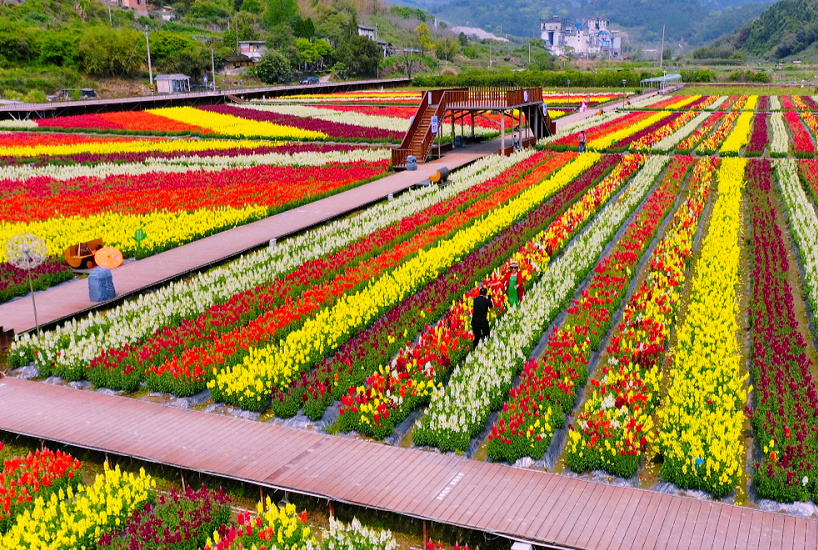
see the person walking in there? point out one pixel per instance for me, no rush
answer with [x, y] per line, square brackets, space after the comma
[479, 316]
[512, 284]
[582, 140]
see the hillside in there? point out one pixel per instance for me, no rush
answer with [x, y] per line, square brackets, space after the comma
[787, 28]
[690, 21]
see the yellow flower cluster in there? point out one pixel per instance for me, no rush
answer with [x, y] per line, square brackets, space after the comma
[739, 137]
[752, 101]
[684, 102]
[280, 526]
[235, 126]
[609, 139]
[163, 229]
[701, 422]
[250, 383]
[77, 520]
[713, 140]
[104, 147]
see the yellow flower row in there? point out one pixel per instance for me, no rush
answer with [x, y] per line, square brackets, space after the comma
[752, 101]
[77, 520]
[250, 383]
[683, 102]
[739, 137]
[609, 139]
[229, 125]
[701, 421]
[104, 147]
[163, 229]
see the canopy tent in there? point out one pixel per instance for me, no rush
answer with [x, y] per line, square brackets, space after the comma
[661, 82]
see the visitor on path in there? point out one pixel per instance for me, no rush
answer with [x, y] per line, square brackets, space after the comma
[512, 284]
[480, 316]
[582, 139]
[515, 143]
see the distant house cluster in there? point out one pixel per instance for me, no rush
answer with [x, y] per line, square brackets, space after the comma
[582, 38]
[372, 33]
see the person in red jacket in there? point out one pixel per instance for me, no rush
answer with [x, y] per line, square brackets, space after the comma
[512, 284]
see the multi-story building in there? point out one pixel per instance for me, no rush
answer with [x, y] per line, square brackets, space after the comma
[583, 38]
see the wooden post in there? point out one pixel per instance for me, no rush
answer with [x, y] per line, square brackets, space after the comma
[331, 509]
[503, 132]
[425, 533]
[261, 496]
[182, 475]
[453, 129]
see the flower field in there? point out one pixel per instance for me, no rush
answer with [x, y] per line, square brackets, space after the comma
[666, 332]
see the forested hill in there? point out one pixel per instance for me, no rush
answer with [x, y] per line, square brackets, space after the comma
[787, 28]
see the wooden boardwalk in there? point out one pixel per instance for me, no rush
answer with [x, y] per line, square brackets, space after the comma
[66, 300]
[522, 504]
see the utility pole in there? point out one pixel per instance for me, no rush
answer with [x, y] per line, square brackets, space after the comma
[213, 67]
[110, 19]
[529, 55]
[237, 37]
[662, 51]
[150, 67]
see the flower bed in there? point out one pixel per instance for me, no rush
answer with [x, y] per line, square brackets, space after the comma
[649, 138]
[687, 145]
[78, 342]
[180, 520]
[77, 519]
[712, 142]
[14, 281]
[249, 385]
[763, 103]
[334, 130]
[739, 137]
[395, 389]
[780, 142]
[570, 141]
[802, 144]
[179, 360]
[604, 140]
[786, 103]
[803, 221]
[133, 121]
[550, 385]
[36, 476]
[479, 385]
[785, 416]
[700, 434]
[181, 210]
[758, 137]
[228, 125]
[616, 423]
[669, 142]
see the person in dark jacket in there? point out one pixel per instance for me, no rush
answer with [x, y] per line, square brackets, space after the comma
[479, 316]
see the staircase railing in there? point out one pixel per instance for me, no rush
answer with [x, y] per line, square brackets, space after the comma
[400, 153]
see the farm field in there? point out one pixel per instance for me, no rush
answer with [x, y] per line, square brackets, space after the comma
[665, 339]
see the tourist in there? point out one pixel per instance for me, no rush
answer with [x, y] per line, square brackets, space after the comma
[582, 140]
[512, 284]
[480, 316]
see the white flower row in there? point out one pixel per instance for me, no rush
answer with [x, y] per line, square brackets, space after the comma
[779, 139]
[180, 165]
[458, 411]
[716, 104]
[775, 103]
[804, 224]
[646, 102]
[18, 125]
[676, 137]
[354, 536]
[78, 342]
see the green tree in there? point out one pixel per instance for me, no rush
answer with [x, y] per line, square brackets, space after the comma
[61, 48]
[423, 38]
[280, 12]
[360, 55]
[447, 48]
[304, 28]
[274, 68]
[112, 52]
[210, 10]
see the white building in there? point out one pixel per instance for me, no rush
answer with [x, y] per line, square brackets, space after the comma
[582, 38]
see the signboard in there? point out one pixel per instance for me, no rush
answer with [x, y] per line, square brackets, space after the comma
[434, 124]
[525, 96]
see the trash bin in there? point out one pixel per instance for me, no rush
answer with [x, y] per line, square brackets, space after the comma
[458, 141]
[101, 285]
[411, 162]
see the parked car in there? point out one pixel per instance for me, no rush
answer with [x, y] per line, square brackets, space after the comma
[310, 80]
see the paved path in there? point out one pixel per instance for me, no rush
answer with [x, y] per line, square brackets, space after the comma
[66, 300]
[518, 503]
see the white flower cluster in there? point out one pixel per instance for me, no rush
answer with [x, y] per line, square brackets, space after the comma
[582, 124]
[716, 104]
[79, 342]
[645, 102]
[775, 103]
[180, 165]
[476, 385]
[804, 223]
[668, 143]
[779, 139]
[355, 536]
[18, 125]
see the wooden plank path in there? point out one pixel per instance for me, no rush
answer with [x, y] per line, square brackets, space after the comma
[66, 300]
[522, 504]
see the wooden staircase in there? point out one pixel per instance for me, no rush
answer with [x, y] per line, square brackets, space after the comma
[419, 138]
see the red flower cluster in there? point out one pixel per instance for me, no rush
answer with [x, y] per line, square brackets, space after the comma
[803, 147]
[758, 136]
